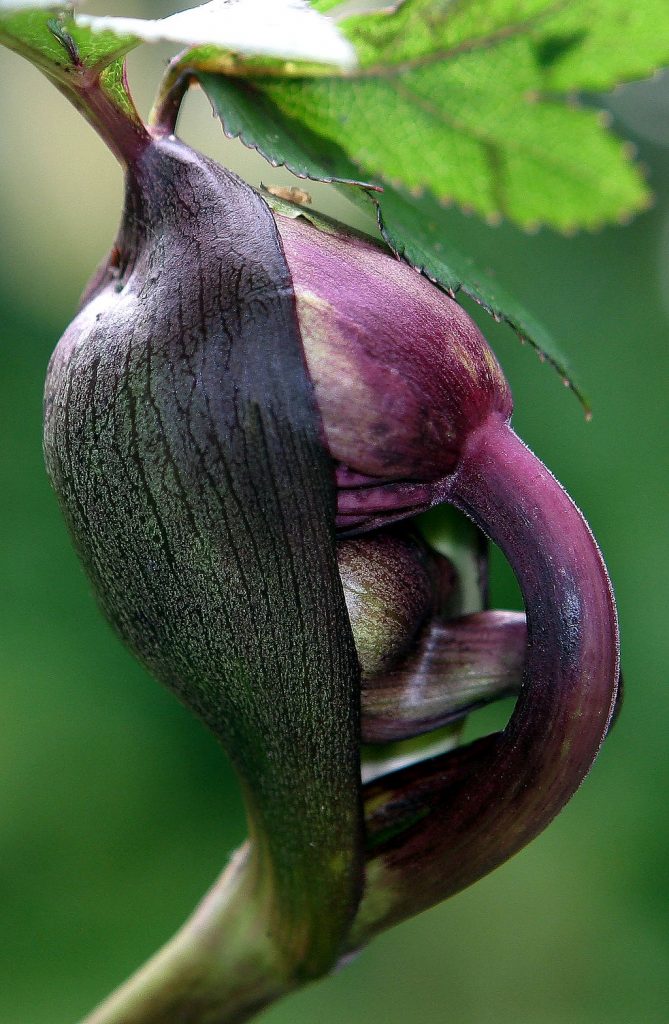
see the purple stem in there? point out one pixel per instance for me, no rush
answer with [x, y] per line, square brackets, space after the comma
[124, 134]
[489, 800]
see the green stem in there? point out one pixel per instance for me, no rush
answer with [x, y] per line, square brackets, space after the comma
[222, 967]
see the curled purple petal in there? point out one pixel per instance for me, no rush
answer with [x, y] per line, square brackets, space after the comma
[463, 814]
[402, 374]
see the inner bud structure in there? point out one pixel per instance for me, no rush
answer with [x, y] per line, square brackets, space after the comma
[240, 394]
[388, 592]
[402, 374]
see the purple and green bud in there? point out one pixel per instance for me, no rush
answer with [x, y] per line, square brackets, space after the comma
[242, 407]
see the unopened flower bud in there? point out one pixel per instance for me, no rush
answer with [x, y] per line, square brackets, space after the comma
[402, 375]
[393, 584]
[238, 385]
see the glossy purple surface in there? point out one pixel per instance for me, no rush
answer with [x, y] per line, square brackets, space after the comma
[402, 374]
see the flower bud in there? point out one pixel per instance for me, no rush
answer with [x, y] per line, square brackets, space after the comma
[392, 584]
[239, 384]
[402, 375]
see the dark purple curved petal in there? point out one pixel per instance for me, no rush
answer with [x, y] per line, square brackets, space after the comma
[439, 826]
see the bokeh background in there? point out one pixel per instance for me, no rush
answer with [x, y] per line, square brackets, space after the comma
[118, 810]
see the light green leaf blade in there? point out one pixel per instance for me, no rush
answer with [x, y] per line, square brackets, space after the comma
[51, 40]
[455, 99]
[473, 131]
[413, 227]
[583, 44]
[596, 44]
[439, 29]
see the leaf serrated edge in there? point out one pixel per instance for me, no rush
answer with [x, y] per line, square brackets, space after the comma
[370, 192]
[560, 366]
[257, 147]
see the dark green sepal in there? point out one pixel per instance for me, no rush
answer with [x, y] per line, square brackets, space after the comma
[186, 450]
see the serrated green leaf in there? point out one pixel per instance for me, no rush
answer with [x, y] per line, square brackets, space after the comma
[248, 115]
[416, 229]
[413, 227]
[473, 130]
[29, 33]
[471, 81]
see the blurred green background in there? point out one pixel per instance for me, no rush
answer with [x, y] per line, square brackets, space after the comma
[118, 809]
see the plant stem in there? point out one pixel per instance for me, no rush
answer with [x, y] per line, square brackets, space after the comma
[222, 967]
[98, 89]
[120, 128]
[165, 113]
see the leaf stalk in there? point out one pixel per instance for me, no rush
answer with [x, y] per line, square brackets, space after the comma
[221, 966]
